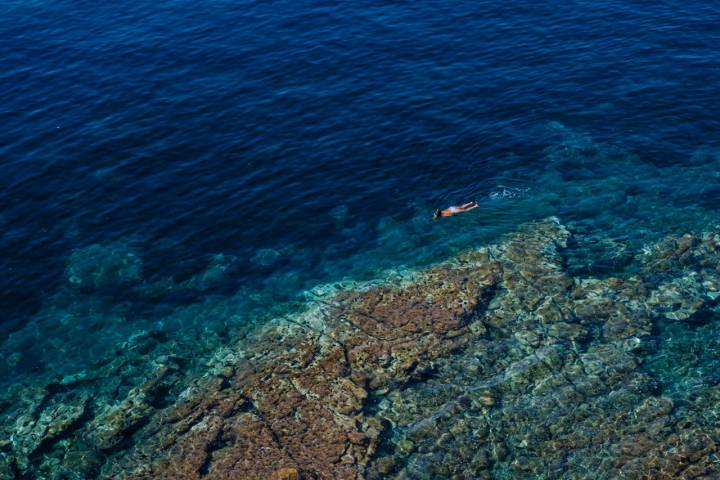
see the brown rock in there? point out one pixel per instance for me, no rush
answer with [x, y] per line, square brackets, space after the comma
[286, 474]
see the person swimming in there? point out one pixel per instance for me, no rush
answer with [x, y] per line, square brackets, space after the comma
[450, 211]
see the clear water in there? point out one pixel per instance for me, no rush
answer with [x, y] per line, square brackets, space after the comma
[190, 169]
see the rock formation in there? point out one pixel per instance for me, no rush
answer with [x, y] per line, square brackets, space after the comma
[499, 363]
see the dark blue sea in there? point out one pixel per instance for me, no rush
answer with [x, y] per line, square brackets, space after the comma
[189, 168]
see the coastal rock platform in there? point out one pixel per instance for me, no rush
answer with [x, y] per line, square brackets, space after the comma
[498, 363]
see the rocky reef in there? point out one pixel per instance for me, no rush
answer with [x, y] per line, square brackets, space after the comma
[504, 362]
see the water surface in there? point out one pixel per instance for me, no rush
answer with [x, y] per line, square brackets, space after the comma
[188, 169]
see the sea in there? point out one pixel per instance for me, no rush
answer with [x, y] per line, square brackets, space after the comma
[194, 169]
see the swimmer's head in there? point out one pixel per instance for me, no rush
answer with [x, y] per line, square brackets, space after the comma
[436, 214]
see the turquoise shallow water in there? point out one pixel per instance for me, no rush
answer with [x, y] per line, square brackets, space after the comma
[617, 202]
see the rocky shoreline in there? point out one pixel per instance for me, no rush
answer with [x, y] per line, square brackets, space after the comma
[500, 363]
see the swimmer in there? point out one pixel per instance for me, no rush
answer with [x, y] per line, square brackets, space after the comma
[450, 211]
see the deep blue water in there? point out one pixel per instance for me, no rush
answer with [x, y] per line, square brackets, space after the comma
[309, 142]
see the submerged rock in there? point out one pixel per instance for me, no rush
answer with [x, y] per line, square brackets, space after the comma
[104, 266]
[501, 363]
[43, 421]
[265, 257]
[112, 425]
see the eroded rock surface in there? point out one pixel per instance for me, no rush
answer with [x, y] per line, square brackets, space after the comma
[502, 363]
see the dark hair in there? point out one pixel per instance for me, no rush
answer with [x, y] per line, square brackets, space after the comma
[437, 213]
